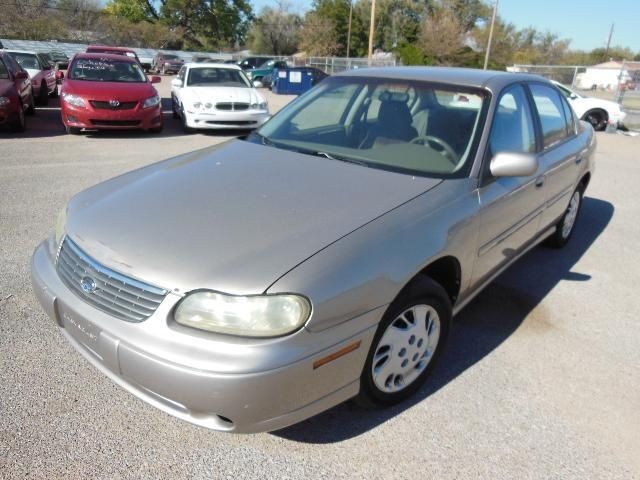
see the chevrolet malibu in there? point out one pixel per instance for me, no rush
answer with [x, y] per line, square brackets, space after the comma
[253, 284]
[107, 92]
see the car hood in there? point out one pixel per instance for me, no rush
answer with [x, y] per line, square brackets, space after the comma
[105, 91]
[233, 218]
[222, 94]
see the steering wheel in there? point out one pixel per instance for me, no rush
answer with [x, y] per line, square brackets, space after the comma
[445, 149]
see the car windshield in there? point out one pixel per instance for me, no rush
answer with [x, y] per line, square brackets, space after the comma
[170, 57]
[106, 70]
[4, 73]
[26, 60]
[267, 64]
[219, 77]
[400, 125]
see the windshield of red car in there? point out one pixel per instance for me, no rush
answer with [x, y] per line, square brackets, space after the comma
[26, 60]
[4, 73]
[220, 77]
[106, 70]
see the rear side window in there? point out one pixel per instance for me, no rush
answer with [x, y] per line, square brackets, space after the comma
[569, 116]
[4, 73]
[551, 112]
[512, 129]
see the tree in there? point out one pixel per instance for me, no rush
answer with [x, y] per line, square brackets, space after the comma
[133, 10]
[318, 36]
[442, 37]
[275, 31]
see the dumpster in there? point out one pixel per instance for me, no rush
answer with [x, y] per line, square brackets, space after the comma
[292, 81]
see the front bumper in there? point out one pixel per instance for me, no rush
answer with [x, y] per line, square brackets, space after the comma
[215, 381]
[226, 120]
[102, 119]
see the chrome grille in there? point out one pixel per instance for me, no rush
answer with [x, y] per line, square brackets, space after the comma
[232, 106]
[114, 293]
[100, 105]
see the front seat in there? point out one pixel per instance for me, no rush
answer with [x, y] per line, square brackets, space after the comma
[394, 125]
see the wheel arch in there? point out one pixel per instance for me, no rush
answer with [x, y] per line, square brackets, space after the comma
[445, 271]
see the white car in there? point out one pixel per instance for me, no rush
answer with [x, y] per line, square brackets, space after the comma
[216, 96]
[43, 77]
[598, 112]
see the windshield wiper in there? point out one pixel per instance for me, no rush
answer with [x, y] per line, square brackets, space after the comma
[332, 156]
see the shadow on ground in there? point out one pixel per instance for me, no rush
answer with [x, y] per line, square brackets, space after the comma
[480, 328]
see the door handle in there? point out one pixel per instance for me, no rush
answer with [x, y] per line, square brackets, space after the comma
[539, 181]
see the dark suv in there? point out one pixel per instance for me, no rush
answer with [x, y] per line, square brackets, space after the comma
[249, 63]
[16, 95]
[166, 63]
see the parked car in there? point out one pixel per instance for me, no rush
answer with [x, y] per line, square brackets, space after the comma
[216, 96]
[250, 285]
[43, 78]
[126, 52]
[60, 58]
[249, 63]
[16, 94]
[107, 92]
[257, 74]
[166, 63]
[598, 112]
[206, 59]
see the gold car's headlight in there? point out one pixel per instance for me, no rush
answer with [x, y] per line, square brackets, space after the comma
[249, 316]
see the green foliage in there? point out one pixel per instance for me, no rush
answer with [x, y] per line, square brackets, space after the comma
[275, 31]
[409, 54]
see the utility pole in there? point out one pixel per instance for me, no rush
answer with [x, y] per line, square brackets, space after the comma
[372, 29]
[606, 52]
[349, 34]
[493, 21]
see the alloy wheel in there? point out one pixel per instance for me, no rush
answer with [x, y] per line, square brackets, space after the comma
[571, 214]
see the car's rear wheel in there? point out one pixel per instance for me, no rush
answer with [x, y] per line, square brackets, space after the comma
[43, 95]
[408, 342]
[20, 123]
[31, 108]
[565, 227]
[597, 118]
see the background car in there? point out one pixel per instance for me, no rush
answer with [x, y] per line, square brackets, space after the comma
[598, 112]
[43, 78]
[16, 94]
[109, 92]
[266, 68]
[166, 63]
[216, 96]
[249, 63]
[61, 59]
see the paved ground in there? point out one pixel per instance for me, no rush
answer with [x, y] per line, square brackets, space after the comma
[541, 380]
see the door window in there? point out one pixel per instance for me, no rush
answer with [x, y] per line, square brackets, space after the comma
[551, 113]
[512, 129]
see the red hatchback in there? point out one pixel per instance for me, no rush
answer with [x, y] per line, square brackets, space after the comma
[16, 95]
[109, 92]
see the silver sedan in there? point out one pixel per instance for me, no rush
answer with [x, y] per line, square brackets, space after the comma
[254, 284]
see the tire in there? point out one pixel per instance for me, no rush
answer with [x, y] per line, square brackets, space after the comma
[72, 130]
[156, 130]
[54, 94]
[410, 338]
[174, 112]
[20, 123]
[31, 109]
[597, 118]
[43, 95]
[185, 127]
[566, 225]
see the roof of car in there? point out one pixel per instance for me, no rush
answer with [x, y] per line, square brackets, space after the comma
[10, 50]
[230, 66]
[106, 47]
[470, 77]
[109, 56]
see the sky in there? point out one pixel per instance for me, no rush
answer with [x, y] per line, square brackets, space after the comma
[585, 22]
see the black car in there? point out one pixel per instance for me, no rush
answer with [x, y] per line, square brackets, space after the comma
[249, 63]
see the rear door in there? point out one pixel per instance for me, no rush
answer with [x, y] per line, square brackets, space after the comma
[510, 207]
[561, 156]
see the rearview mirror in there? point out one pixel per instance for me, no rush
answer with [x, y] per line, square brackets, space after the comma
[513, 164]
[176, 82]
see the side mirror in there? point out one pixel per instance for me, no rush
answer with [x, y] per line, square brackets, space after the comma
[156, 79]
[176, 82]
[512, 164]
[573, 96]
[22, 75]
[257, 84]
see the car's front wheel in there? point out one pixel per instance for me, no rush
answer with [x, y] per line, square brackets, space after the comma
[565, 227]
[19, 124]
[409, 339]
[72, 130]
[185, 127]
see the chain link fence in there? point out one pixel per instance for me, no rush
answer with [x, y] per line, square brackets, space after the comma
[615, 81]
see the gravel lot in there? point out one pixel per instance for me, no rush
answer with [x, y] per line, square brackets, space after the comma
[541, 378]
